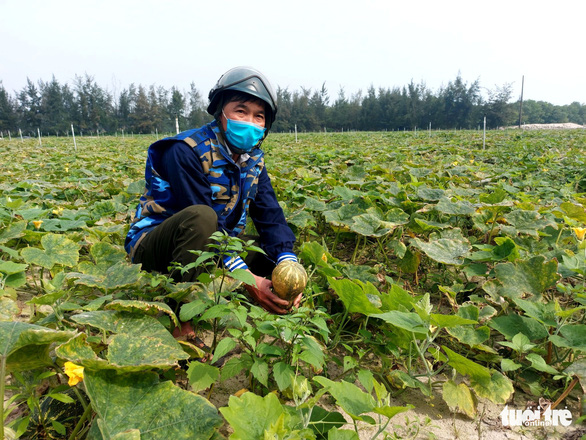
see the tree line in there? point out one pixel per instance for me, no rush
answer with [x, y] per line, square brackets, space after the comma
[52, 108]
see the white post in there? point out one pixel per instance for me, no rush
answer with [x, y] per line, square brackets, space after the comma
[484, 135]
[10, 137]
[157, 133]
[177, 124]
[430, 129]
[295, 133]
[20, 133]
[39, 133]
[73, 134]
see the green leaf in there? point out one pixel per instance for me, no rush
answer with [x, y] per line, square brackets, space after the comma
[160, 411]
[469, 335]
[571, 336]
[322, 421]
[139, 341]
[409, 263]
[497, 390]
[511, 325]
[444, 250]
[353, 296]
[260, 370]
[544, 313]
[449, 320]
[397, 299]
[104, 255]
[527, 222]
[509, 365]
[58, 427]
[57, 249]
[342, 434]
[520, 343]
[201, 375]
[466, 367]
[117, 276]
[26, 346]
[348, 396]
[446, 206]
[146, 307]
[224, 347]
[391, 411]
[539, 364]
[250, 415]
[283, 374]
[192, 309]
[243, 275]
[459, 398]
[312, 353]
[506, 248]
[497, 196]
[78, 351]
[8, 308]
[12, 231]
[406, 320]
[575, 212]
[10, 267]
[401, 380]
[234, 366]
[531, 277]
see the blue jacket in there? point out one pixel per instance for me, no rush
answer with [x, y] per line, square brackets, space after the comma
[195, 168]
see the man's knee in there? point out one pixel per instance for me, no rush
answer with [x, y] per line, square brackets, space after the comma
[201, 219]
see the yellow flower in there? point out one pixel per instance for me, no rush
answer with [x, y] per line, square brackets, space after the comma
[37, 223]
[580, 233]
[75, 373]
[324, 257]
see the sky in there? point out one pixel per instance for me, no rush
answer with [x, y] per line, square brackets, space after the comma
[349, 45]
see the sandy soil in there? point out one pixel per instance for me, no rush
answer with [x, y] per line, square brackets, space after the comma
[431, 418]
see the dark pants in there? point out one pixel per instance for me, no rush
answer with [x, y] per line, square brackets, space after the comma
[187, 230]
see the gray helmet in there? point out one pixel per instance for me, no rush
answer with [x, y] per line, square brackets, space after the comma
[246, 80]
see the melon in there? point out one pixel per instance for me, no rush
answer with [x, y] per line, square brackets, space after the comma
[289, 279]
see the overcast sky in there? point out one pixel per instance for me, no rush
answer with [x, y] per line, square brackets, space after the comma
[301, 43]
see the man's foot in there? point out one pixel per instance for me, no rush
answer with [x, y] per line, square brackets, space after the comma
[187, 333]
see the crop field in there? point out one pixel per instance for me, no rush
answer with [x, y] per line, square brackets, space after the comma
[442, 271]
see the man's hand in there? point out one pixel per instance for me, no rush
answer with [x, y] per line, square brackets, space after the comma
[264, 296]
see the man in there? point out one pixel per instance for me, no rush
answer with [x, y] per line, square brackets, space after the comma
[212, 178]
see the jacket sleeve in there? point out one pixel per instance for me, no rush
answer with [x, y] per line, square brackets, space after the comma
[276, 237]
[182, 169]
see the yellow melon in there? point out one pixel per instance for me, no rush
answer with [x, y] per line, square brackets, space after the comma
[289, 279]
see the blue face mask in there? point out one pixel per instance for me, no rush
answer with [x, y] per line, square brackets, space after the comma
[244, 136]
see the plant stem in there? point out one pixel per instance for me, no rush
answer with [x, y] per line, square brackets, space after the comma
[340, 327]
[81, 421]
[565, 393]
[2, 385]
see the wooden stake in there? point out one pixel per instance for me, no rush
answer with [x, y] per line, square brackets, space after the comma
[521, 103]
[484, 135]
[73, 134]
